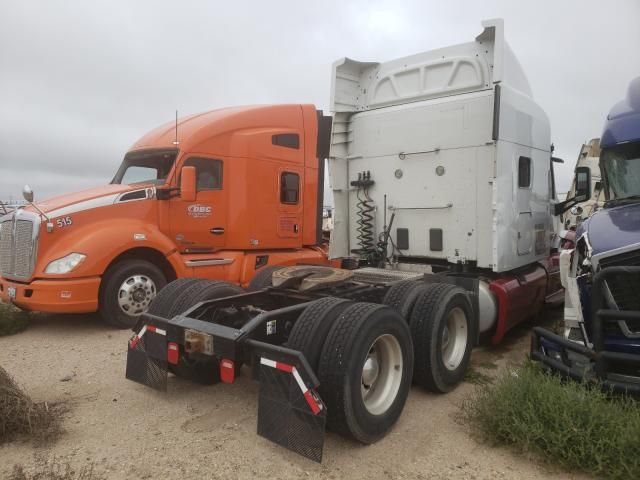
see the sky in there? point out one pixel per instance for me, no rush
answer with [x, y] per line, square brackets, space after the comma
[81, 81]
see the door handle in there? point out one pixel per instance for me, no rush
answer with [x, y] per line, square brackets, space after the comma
[217, 231]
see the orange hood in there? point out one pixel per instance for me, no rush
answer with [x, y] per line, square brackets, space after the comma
[85, 199]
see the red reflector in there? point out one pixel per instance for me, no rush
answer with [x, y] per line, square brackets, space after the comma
[227, 370]
[173, 353]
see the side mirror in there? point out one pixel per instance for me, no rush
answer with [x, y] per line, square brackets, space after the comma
[583, 184]
[188, 184]
[27, 193]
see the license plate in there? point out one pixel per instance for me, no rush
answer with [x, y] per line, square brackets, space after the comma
[11, 291]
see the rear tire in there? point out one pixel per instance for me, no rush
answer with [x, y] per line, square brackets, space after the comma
[262, 279]
[442, 328]
[193, 293]
[181, 296]
[365, 371]
[165, 297]
[402, 296]
[312, 327]
[127, 290]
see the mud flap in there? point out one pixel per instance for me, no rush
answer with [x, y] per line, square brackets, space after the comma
[147, 358]
[289, 414]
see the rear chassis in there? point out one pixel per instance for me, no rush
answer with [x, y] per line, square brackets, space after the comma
[250, 328]
[608, 355]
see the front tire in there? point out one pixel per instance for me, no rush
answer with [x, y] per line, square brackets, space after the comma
[127, 290]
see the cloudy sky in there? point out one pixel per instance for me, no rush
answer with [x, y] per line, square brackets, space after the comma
[81, 80]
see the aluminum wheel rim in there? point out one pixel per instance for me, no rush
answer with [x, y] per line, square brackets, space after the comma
[135, 294]
[454, 339]
[381, 374]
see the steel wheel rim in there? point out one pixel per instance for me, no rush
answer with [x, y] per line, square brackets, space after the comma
[135, 294]
[381, 374]
[454, 339]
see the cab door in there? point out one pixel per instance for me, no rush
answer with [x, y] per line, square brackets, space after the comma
[200, 226]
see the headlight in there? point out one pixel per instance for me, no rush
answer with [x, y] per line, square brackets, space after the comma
[65, 264]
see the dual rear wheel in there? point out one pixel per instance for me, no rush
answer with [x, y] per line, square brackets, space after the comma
[363, 356]
[366, 355]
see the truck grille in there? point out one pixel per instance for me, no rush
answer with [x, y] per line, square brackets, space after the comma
[624, 288]
[17, 249]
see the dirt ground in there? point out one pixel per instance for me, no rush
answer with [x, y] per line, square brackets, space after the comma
[192, 431]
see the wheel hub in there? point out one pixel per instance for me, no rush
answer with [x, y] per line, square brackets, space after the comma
[454, 339]
[370, 370]
[381, 374]
[135, 294]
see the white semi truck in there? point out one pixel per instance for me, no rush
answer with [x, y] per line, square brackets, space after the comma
[442, 176]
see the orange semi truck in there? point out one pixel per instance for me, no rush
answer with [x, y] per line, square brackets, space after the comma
[218, 195]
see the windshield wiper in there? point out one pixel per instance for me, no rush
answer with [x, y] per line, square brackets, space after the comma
[622, 200]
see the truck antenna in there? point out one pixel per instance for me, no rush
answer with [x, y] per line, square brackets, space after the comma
[176, 142]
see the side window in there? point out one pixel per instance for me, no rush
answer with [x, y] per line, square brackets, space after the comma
[208, 173]
[524, 172]
[289, 188]
[288, 140]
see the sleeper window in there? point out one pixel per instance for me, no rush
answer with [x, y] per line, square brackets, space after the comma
[289, 187]
[524, 172]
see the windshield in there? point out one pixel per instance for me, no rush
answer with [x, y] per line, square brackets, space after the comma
[620, 166]
[151, 166]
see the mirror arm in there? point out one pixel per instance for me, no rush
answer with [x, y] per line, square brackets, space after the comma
[562, 207]
[167, 193]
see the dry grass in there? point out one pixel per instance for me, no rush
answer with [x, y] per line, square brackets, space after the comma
[21, 416]
[54, 469]
[12, 320]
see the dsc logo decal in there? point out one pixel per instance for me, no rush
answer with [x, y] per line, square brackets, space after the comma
[199, 211]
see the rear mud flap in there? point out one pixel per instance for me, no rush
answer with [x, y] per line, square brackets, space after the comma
[288, 413]
[147, 359]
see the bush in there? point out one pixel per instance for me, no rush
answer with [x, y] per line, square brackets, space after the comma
[578, 427]
[12, 320]
[19, 415]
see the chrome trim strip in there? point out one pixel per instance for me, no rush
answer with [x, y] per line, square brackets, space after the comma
[440, 207]
[149, 192]
[209, 262]
[85, 205]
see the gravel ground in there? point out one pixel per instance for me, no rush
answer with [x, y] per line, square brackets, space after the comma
[129, 431]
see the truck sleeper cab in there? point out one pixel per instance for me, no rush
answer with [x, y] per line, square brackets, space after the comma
[601, 340]
[250, 199]
[442, 176]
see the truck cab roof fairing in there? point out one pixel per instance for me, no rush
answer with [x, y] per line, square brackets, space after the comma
[623, 121]
[478, 65]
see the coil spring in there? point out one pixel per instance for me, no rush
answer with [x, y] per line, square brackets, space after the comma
[365, 224]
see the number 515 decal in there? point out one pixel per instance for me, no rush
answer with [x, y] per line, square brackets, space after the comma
[64, 222]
